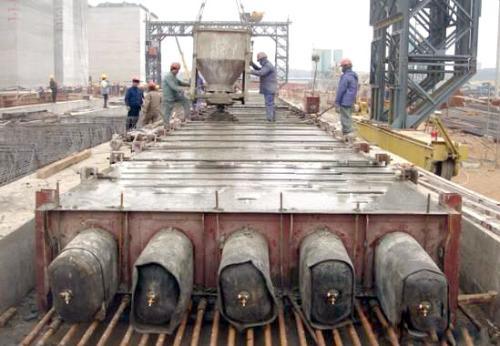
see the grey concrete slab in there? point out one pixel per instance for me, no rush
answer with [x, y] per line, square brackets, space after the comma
[17, 264]
[480, 262]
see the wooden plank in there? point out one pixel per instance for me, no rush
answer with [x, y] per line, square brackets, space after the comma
[58, 166]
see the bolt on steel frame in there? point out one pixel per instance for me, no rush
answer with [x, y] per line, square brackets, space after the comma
[156, 31]
[422, 52]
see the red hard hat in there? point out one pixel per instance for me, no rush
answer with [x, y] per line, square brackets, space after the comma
[261, 55]
[345, 62]
[175, 66]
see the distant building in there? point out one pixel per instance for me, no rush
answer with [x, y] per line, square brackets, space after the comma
[325, 61]
[117, 41]
[42, 38]
[338, 54]
[27, 46]
[71, 46]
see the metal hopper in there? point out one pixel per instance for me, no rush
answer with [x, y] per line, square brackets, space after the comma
[221, 58]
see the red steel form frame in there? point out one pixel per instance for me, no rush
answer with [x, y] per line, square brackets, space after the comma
[439, 235]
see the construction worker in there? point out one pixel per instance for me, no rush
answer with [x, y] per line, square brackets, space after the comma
[53, 88]
[200, 89]
[133, 100]
[151, 109]
[268, 83]
[105, 89]
[173, 93]
[346, 96]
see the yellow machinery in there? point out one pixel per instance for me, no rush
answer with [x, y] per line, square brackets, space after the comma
[435, 152]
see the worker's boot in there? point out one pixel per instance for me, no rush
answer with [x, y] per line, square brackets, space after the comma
[349, 137]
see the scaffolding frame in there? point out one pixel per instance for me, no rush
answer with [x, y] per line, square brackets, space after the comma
[422, 52]
[156, 31]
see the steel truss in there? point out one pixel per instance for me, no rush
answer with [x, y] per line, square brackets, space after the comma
[156, 31]
[422, 52]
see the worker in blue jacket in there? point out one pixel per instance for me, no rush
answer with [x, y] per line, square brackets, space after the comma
[346, 95]
[133, 99]
[268, 83]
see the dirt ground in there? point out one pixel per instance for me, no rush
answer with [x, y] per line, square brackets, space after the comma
[481, 171]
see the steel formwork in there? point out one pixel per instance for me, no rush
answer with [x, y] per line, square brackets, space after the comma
[422, 52]
[284, 180]
[156, 31]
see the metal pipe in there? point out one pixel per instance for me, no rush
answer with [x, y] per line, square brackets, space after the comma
[353, 335]
[433, 335]
[182, 328]
[300, 329]
[372, 339]
[202, 305]
[127, 337]
[450, 337]
[478, 298]
[282, 326]
[337, 339]
[215, 328]
[6, 316]
[144, 340]
[112, 324]
[250, 337]
[231, 336]
[393, 337]
[88, 333]
[296, 309]
[470, 316]
[53, 327]
[467, 338]
[69, 335]
[34, 332]
[321, 339]
[161, 339]
[268, 340]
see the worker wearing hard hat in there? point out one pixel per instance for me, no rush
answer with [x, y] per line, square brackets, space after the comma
[268, 83]
[173, 93]
[133, 101]
[151, 108]
[53, 88]
[346, 96]
[105, 89]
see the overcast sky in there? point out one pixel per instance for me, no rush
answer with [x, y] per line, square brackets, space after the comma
[315, 24]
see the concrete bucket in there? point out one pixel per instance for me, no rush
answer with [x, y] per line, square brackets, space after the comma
[221, 57]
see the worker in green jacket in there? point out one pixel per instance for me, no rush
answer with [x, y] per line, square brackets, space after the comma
[173, 93]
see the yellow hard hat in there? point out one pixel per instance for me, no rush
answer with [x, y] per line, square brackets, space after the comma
[103, 76]
[51, 76]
